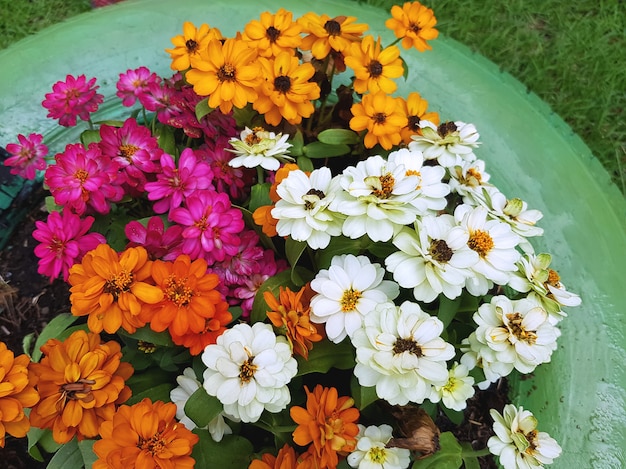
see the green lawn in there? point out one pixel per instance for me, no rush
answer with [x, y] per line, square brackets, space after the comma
[572, 54]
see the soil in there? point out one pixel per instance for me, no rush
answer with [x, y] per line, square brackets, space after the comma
[28, 301]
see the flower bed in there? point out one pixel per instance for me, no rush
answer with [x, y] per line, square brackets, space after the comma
[425, 74]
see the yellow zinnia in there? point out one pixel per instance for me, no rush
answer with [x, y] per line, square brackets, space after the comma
[416, 110]
[81, 381]
[111, 288]
[190, 43]
[273, 33]
[373, 68]
[414, 23]
[286, 91]
[382, 116]
[228, 73]
[325, 33]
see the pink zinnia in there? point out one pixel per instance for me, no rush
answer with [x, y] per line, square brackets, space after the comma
[63, 242]
[158, 97]
[72, 98]
[245, 262]
[212, 226]
[159, 242]
[134, 84]
[133, 148]
[174, 185]
[233, 181]
[82, 179]
[28, 155]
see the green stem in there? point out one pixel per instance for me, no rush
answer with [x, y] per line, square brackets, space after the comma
[260, 176]
[475, 453]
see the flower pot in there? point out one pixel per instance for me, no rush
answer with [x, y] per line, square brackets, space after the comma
[531, 153]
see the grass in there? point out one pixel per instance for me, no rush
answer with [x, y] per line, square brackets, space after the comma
[571, 54]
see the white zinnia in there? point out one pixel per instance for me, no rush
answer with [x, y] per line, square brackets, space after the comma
[248, 370]
[469, 179]
[371, 450]
[517, 442]
[459, 388]
[495, 243]
[187, 385]
[258, 147]
[399, 350]
[535, 275]
[433, 258]
[302, 211]
[514, 332]
[348, 291]
[377, 198]
[450, 143]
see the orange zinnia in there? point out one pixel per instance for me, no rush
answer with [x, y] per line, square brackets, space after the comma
[285, 459]
[228, 73]
[325, 33]
[273, 33]
[415, 109]
[286, 91]
[263, 215]
[80, 381]
[145, 436]
[374, 69]
[189, 296]
[111, 288]
[414, 23]
[382, 116]
[213, 327]
[16, 394]
[329, 422]
[291, 311]
[190, 43]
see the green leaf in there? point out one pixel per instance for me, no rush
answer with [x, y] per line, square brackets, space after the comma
[52, 331]
[323, 150]
[338, 245]
[86, 450]
[363, 395]
[447, 309]
[293, 250]
[448, 456]
[297, 143]
[89, 136]
[147, 380]
[160, 392]
[470, 462]
[455, 416]
[51, 206]
[248, 219]
[68, 455]
[233, 452]
[304, 163]
[166, 139]
[260, 196]
[203, 109]
[202, 408]
[338, 137]
[326, 355]
[148, 335]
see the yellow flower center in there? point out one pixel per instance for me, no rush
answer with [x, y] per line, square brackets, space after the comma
[382, 185]
[474, 176]
[81, 175]
[247, 370]
[119, 283]
[451, 385]
[146, 347]
[349, 300]
[440, 251]
[177, 291]
[127, 151]
[407, 345]
[377, 455]
[481, 242]
[553, 278]
[226, 72]
[516, 328]
[154, 445]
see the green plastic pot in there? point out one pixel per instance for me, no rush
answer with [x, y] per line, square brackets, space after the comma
[531, 153]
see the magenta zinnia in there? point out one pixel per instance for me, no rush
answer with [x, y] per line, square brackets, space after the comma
[135, 84]
[28, 155]
[175, 184]
[63, 241]
[72, 98]
[81, 180]
[212, 226]
[160, 243]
